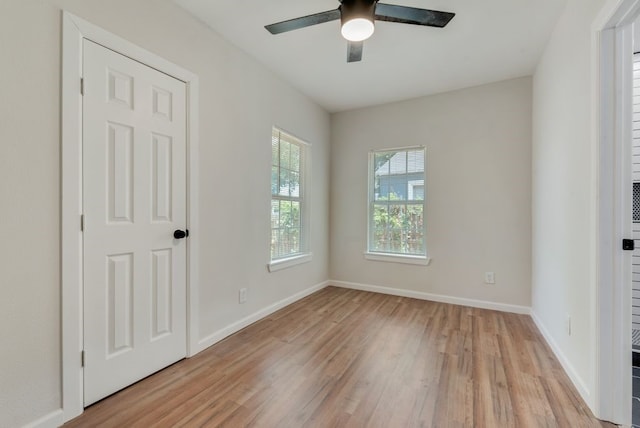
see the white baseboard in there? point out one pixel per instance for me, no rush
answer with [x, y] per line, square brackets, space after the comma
[483, 304]
[239, 325]
[564, 361]
[52, 420]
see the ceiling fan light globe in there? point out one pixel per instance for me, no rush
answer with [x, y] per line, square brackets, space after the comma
[357, 29]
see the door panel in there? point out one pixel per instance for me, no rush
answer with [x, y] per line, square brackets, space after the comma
[134, 187]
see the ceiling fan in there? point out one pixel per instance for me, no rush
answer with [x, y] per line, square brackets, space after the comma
[357, 19]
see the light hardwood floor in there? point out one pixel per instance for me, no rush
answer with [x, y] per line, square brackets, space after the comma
[351, 358]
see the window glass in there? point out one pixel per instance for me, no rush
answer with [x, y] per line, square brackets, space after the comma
[287, 196]
[397, 202]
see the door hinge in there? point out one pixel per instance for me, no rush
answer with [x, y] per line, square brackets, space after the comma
[81, 86]
[81, 222]
[82, 358]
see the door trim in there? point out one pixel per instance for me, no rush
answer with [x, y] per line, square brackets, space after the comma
[612, 86]
[74, 30]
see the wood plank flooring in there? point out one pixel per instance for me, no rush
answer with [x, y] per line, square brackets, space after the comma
[351, 358]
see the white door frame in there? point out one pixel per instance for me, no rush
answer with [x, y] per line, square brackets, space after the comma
[74, 30]
[612, 41]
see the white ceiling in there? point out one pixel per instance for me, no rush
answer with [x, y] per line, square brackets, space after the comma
[487, 41]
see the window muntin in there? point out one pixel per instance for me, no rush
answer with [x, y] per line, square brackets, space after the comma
[288, 236]
[397, 202]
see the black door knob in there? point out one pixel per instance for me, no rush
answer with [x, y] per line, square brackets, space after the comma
[179, 234]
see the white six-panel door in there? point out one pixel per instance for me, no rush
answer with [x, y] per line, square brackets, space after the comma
[134, 187]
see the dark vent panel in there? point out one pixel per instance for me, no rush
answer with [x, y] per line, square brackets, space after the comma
[636, 202]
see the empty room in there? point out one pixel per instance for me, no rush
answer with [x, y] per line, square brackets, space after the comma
[398, 213]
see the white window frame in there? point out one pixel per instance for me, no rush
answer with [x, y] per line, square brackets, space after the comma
[385, 256]
[304, 255]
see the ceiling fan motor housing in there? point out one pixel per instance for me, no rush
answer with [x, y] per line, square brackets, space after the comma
[352, 9]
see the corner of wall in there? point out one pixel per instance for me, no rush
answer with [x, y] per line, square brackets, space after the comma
[569, 369]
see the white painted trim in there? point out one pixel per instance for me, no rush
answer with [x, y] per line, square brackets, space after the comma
[257, 316]
[299, 259]
[193, 215]
[74, 31]
[397, 258]
[622, 191]
[615, 13]
[482, 304]
[603, 403]
[71, 207]
[577, 381]
[610, 288]
[52, 420]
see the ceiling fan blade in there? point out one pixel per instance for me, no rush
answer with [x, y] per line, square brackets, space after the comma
[354, 51]
[412, 15]
[305, 21]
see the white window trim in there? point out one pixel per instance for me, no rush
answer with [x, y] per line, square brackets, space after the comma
[414, 259]
[305, 254]
[298, 259]
[397, 258]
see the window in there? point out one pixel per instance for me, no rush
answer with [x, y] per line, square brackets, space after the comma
[288, 197]
[397, 204]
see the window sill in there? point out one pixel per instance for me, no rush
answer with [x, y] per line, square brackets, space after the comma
[397, 258]
[299, 259]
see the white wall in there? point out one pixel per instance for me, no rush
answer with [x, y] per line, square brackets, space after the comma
[563, 227]
[478, 189]
[239, 102]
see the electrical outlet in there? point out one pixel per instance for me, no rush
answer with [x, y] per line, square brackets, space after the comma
[489, 278]
[568, 324]
[242, 295]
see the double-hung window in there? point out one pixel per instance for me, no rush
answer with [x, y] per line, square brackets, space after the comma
[289, 223]
[397, 230]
